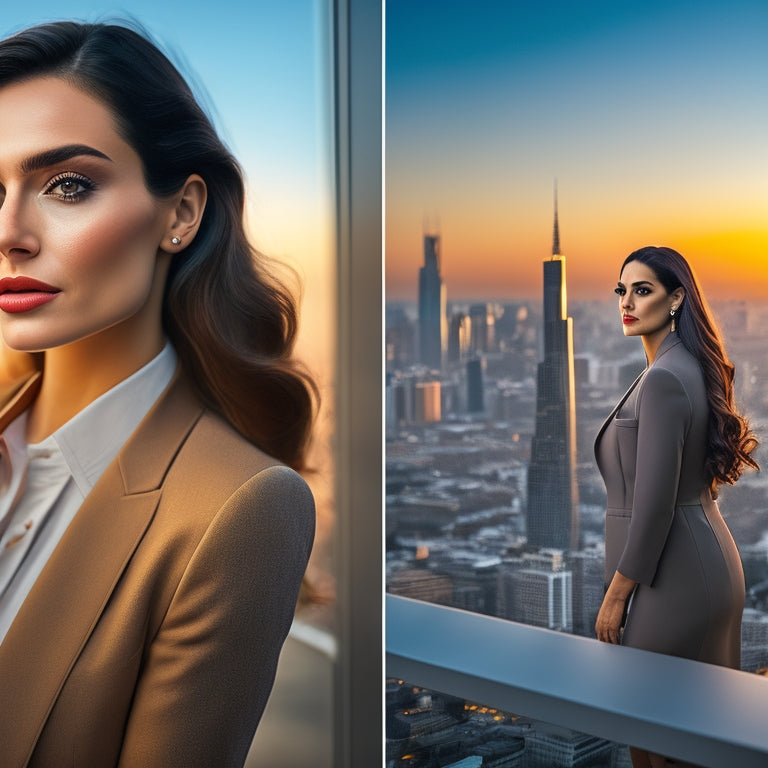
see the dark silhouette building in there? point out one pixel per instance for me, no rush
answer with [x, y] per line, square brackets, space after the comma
[481, 330]
[475, 387]
[432, 306]
[458, 337]
[552, 516]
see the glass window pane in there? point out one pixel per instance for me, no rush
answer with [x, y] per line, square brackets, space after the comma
[504, 346]
[263, 72]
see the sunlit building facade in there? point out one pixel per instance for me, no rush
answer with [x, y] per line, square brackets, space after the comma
[552, 517]
[541, 598]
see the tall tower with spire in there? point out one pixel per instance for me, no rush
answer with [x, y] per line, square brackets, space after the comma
[433, 323]
[556, 230]
[553, 502]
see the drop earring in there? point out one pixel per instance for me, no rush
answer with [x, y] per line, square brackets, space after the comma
[672, 313]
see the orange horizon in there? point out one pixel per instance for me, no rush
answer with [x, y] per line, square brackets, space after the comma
[729, 265]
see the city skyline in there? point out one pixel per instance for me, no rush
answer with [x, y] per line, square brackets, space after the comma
[494, 502]
[471, 476]
[646, 114]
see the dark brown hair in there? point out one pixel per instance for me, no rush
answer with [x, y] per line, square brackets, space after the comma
[232, 323]
[731, 441]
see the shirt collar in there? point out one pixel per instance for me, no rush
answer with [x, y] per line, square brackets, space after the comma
[90, 440]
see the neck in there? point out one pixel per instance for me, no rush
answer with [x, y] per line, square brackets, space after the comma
[76, 374]
[15, 365]
[652, 342]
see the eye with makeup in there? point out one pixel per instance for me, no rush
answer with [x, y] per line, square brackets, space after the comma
[641, 290]
[69, 187]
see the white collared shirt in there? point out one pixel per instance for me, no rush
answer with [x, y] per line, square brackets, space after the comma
[61, 471]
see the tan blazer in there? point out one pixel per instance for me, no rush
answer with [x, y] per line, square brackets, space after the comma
[151, 637]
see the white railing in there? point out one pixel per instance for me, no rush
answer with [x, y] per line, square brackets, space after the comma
[700, 713]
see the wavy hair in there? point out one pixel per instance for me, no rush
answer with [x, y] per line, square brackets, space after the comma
[232, 323]
[731, 441]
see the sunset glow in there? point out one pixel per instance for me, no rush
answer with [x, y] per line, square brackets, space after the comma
[486, 109]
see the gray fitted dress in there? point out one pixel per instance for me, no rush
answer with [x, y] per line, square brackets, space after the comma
[662, 528]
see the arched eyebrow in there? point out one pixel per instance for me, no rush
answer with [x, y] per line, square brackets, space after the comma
[637, 283]
[59, 155]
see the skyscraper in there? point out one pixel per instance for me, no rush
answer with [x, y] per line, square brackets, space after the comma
[459, 329]
[432, 305]
[475, 388]
[481, 330]
[552, 517]
[536, 589]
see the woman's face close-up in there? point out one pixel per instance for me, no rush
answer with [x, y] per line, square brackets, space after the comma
[644, 303]
[79, 231]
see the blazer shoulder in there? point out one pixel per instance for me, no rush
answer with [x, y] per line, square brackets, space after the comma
[677, 359]
[223, 448]
[216, 459]
[680, 363]
[664, 396]
[284, 501]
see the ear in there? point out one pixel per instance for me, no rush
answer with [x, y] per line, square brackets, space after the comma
[185, 215]
[677, 297]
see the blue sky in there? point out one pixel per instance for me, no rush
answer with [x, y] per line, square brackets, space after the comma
[260, 64]
[652, 116]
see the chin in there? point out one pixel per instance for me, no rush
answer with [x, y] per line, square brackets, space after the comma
[31, 340]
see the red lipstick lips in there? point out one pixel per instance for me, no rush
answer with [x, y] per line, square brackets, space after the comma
[626, 319]
[22, 294]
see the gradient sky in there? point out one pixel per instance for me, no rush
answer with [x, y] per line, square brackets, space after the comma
[261, 69]
[653, 117]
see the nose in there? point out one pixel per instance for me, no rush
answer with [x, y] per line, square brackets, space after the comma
[18, 241]
[625, 301]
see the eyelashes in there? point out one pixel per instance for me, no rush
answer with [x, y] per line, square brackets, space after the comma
[640, 291]
[69, 187]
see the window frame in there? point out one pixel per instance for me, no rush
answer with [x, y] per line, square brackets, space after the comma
[358, 682]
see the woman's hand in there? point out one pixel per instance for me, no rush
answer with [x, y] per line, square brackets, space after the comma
[609, 620]
[611, 614]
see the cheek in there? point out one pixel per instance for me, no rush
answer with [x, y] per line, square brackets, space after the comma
[111, 251]
[649, 305]
[659, 306]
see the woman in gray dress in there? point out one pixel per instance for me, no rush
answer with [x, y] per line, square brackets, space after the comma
[674, 581]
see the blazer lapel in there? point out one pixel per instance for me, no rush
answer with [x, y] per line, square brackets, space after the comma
[62, 609]
[670, 340]
[17, 398]
[617, 406]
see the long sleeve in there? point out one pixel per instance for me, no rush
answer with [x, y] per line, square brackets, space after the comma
[664, 418]
[210, 667]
